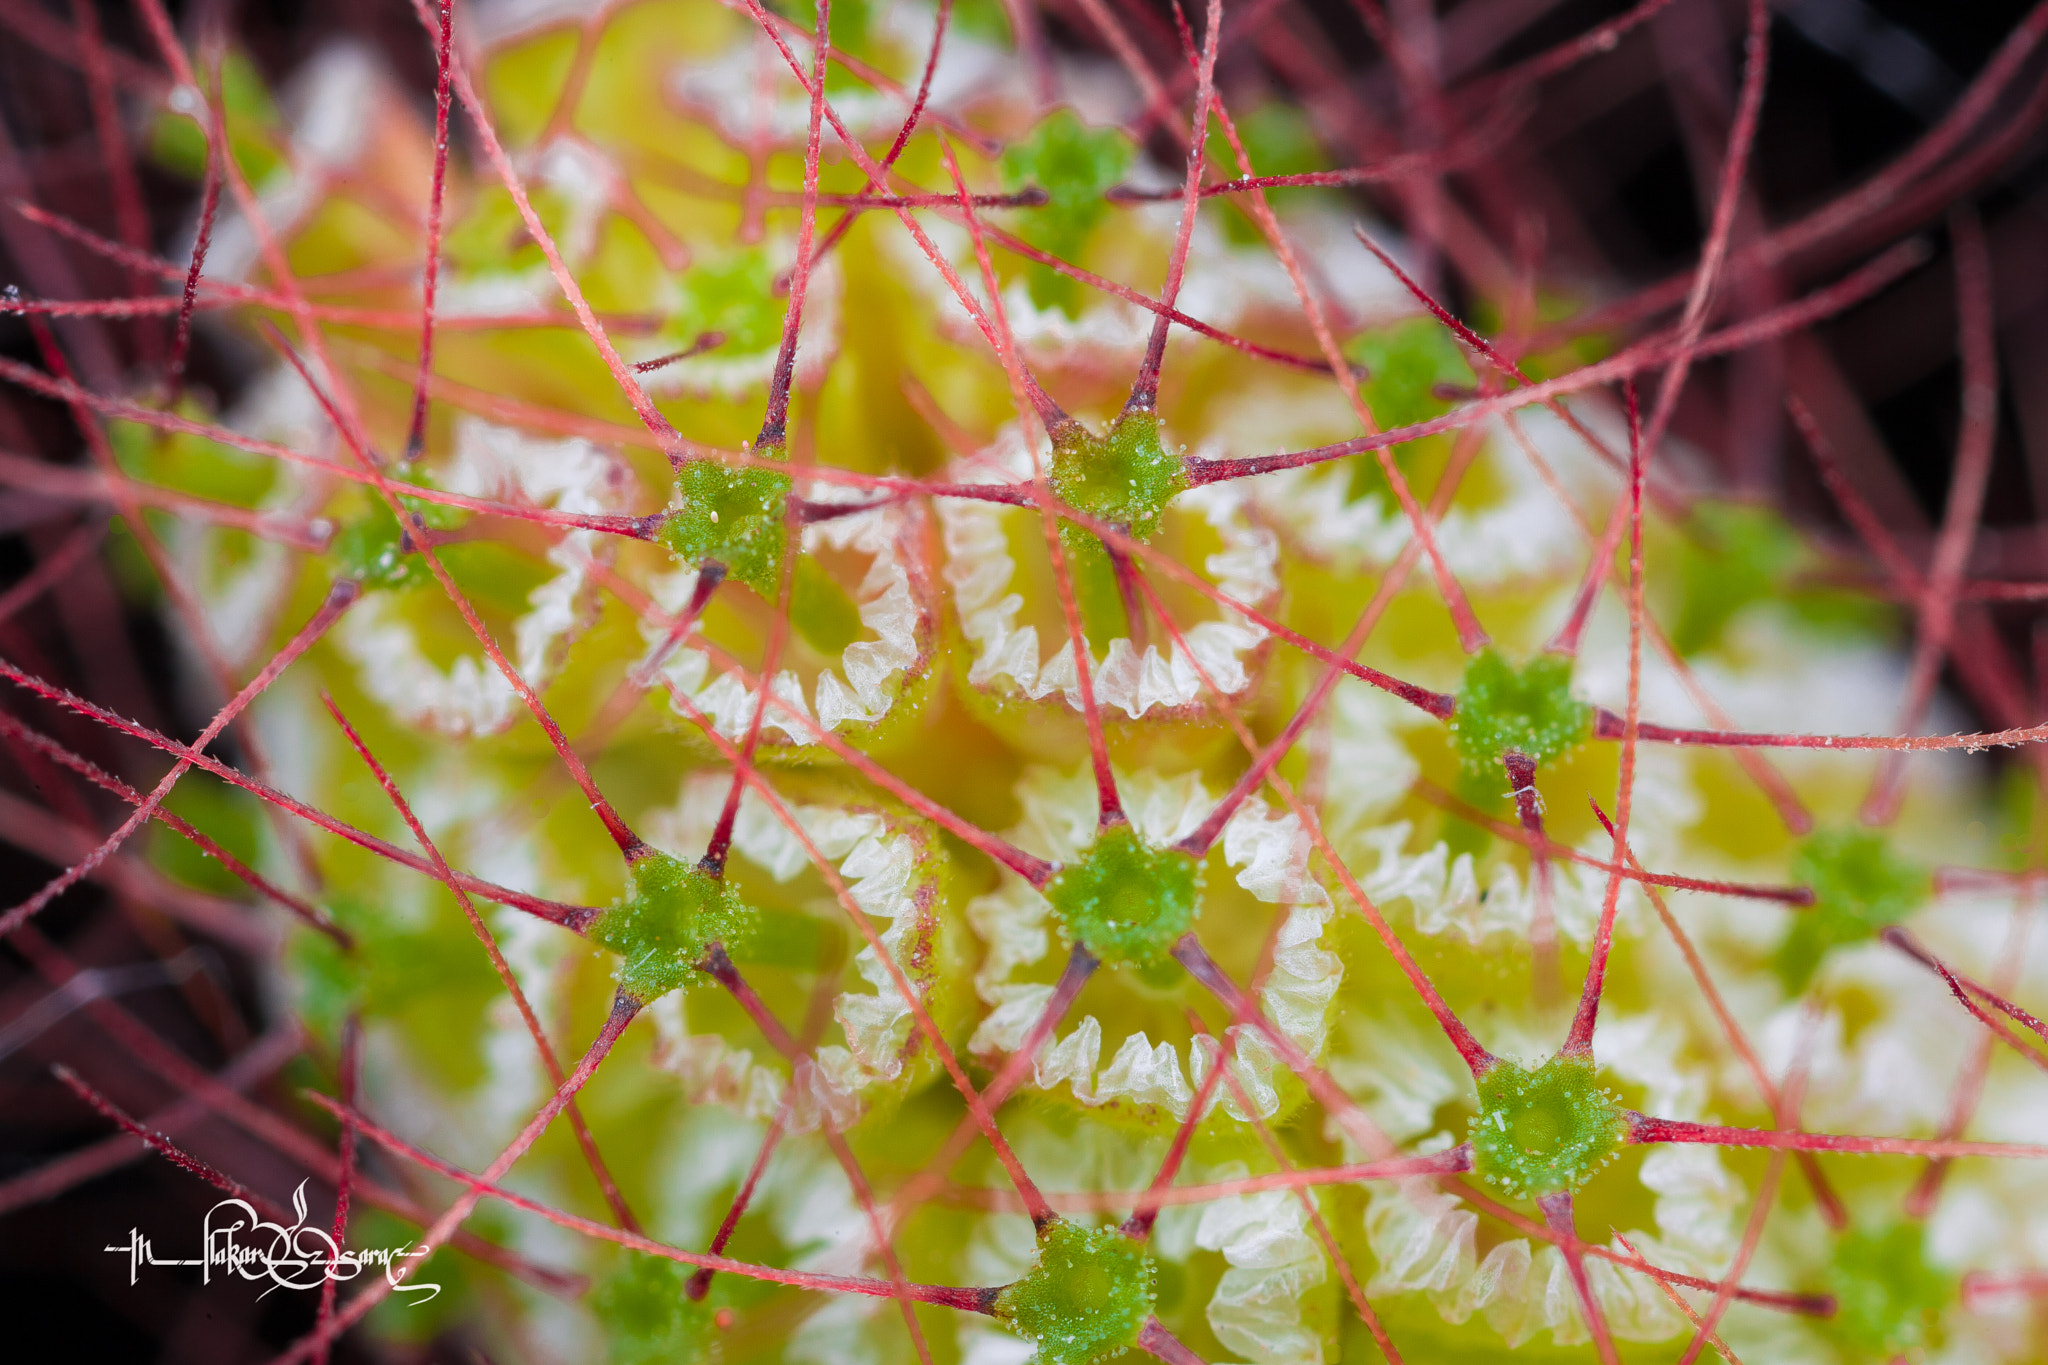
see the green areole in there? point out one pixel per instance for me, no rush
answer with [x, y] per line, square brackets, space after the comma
[1544, 1131]
[1125, 902]
[1087, 1295]
[671, 913]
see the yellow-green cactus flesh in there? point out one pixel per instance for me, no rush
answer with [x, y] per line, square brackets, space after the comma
[679, 1111]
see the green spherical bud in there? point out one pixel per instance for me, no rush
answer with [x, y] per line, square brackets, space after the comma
[373, 551]
[732, 295]
[730, 515]
[1860, 887]
[1124, 477]
[1531, 711]
[670, 915]
[376, 551]
[1072, 164]
[1086, 1298]
[1125, 902]
[1544, 1131]
[1888, 1298]
[647, 1318]
[1407, 362]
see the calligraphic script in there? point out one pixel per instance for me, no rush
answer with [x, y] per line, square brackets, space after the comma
[238, 1242]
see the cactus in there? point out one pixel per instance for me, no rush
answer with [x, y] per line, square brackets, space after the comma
[746, 635]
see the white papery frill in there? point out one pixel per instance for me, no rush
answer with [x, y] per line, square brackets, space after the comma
[1521, 533]
[332, 115]
[470, 696]
[749, 96]
[1425, 1241]
[891, 873]
[244, 579]
[896, 602]
[1005, 653]
[1226, 284]
[1015, 925]
[1257, 1309]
